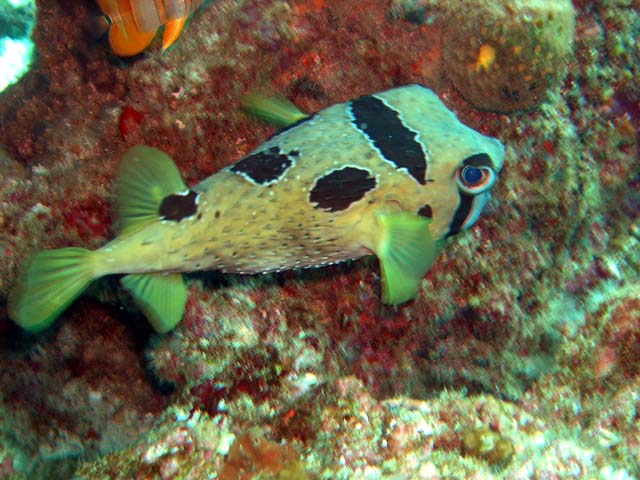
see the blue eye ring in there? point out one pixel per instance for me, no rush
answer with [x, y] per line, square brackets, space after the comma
[475, 180]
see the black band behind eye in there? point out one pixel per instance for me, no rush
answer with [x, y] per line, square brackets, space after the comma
[478, 160]
[461, 214]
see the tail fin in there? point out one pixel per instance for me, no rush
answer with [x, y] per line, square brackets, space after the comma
[54, 279]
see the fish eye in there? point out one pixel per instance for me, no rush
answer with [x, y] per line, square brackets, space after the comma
[474, 180]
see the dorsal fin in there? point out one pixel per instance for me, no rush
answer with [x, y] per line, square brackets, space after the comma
[146, 177]
[277, 111]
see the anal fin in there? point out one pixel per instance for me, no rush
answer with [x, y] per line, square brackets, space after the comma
[161, 297]
[406, 252]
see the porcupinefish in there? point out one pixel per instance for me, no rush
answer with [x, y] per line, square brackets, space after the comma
[134, 23]
[391, 173]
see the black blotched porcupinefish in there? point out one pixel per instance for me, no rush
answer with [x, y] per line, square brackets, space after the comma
[391, 173]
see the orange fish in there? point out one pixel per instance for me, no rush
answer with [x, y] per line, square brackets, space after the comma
[134, 23]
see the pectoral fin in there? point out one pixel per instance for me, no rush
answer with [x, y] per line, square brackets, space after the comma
[406, 251]
[161, 297]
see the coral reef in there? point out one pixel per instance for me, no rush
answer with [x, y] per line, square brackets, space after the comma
[355, 436]
[525, 332]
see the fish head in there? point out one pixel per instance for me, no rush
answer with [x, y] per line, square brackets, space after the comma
[463, 172]
[462, 164]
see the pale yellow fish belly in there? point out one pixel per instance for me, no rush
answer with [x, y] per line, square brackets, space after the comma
[240, 231]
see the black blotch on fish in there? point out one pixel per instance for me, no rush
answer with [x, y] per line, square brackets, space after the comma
[426, 211]
[337, 190]
[263, 167]
[478, 160]
[175, 207]
[466, 201]
[396, 142]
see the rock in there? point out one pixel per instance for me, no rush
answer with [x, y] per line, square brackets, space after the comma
[504, 55]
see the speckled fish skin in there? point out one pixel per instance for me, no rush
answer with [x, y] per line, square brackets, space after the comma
[245, 220]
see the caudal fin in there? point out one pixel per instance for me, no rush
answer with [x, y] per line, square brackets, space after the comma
[54, 279]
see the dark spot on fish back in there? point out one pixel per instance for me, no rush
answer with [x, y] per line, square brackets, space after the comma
[478, 160]
[337, 190]
[384, 128]
[263, 167]
[177, 206]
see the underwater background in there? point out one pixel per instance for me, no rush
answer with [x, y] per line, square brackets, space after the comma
[520, 357]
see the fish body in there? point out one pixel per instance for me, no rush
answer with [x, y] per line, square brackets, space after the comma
[134, 23]
[390, 174]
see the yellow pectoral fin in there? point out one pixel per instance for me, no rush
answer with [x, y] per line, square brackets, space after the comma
[406, 251]
[128, 41]
[172, 31]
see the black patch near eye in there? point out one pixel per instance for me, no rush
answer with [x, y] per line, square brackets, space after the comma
[177, 206]
[337, 190]
[426, 211]
[396, 142]
[478, 160]
[263, 167]
[466, 202]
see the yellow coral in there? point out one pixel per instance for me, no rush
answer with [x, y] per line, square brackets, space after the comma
[486, 57]
[488, 445]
